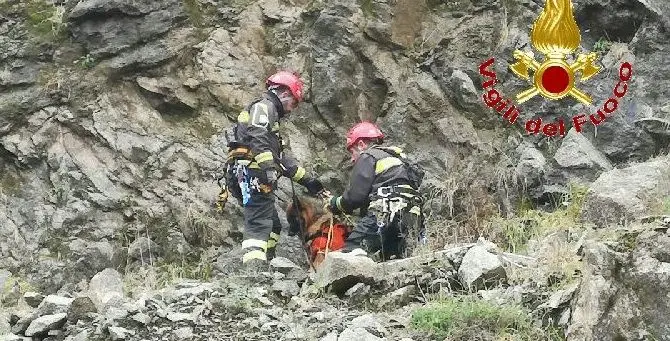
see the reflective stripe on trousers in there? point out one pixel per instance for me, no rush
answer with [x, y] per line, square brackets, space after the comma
[255, 249]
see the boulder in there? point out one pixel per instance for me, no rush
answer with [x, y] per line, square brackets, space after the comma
[82, 336]
[655, 125]
[560, 298]
[33, 299]
[480, 269]
[455, 254]
[332, 336]
[54, 304]
[358, 293]
[286, 288]
[22, 320]
[106, 290]
[44, 324]
[142, 318]
[577, 152]
[80, 307]
[399, 297]
[177, 317]
[119, 333]
[283, 265]
[625, 194]
[92, 257]
[618, 298]
[370, 322]
[184, 333]
[341, 271]
[464, 90]
[532, 164]
[143, 249]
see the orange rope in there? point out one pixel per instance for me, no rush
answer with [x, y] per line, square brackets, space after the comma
[330, 236]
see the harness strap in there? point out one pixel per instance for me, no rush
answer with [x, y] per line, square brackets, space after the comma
[396, 190]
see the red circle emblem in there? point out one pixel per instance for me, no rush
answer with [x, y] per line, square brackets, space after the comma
[555, 79]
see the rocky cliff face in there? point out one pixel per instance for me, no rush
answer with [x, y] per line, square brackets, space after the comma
[110, 113]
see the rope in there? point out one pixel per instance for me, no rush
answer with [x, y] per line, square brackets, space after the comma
[330, 236]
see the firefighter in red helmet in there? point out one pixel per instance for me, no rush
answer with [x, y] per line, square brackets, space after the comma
[384, 186]
[257, 159]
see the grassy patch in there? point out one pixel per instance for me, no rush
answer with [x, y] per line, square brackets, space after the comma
[200, 228]
[45, 20]
[515, 232]
[472, 319]
[467, 205]
[13, 290]
[164, 273]
[195, 12]
[602, 45]
[368, 8]
[549, 236]
[658, 205]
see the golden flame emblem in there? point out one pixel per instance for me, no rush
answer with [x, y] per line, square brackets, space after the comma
[555, 34]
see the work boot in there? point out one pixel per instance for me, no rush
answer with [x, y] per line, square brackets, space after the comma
[271, 253]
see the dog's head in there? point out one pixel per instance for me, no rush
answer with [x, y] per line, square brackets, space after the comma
[309, 210]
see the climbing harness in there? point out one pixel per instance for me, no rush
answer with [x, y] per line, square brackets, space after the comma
[392, 202]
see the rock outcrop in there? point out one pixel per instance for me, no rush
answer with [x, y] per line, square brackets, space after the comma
[619, 295]
[625, 194]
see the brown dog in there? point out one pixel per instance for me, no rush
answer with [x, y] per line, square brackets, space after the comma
[320, 237]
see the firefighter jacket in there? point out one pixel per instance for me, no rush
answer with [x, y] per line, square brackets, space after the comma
[373, 169]
[258, 129]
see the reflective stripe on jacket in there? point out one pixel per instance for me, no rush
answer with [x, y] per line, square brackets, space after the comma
[373, 169]
[258, 129]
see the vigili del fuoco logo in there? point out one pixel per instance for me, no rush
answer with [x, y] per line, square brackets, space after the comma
[556, 35]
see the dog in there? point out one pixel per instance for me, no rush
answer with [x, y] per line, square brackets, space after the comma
[323, 231]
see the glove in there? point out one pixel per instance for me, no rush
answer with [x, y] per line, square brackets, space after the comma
[313, 186]
[269, 177]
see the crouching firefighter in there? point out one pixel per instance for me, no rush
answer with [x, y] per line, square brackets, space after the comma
[255, 161]
[384, 185]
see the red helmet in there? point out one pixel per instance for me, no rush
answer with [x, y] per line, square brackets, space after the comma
[363, 130]
[289, 80]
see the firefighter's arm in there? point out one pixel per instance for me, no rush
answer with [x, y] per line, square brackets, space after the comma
[290, 167]
[292, 170]
[359, 188]
[261, 119]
